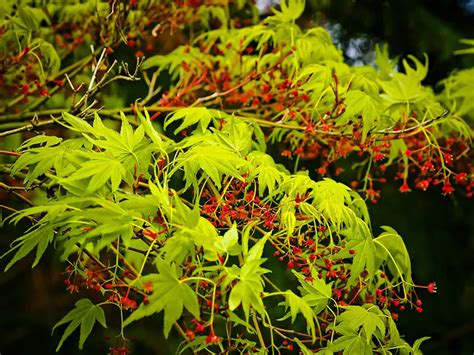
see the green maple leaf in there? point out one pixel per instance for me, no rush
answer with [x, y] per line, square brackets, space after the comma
[417, 344]
[390, 247]
[229, 243]
[364, 257]
[303, 349]
[405, 88]
[99, 170]
[316, 294]
[191, 116]
[290, 10]
[369, 106]
[170, 295]
[213, 160]
[351, 343]
[38, 237]
[368, 317]
[300, 305]
[269, 174]
[249, 287]
[331, 199]
[84, 316]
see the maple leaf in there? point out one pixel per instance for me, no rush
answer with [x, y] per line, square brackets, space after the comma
[84, 315]
[170, 295]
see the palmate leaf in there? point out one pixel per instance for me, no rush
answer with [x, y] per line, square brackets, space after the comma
[247, 290]
[106, 221]
[50, 57]
[268, 174]
[123, 145]
[39, 162]
[402, 89]
[369, 317]
[150, 131]
[360, 103]
[237, 136]
[350, 343]
[38, 237]
[417, 344]
[41, 140]
[99, 170]
[365, 80]
[84, 315]
[290, 10]
[106, 226]
[288, 222]
[169, 295]
[77, 124]
[296, 185]
[191, 116]
[458, 92]
[365, 257]
[51, 153]
[390, 246]
[229, 243]
[172, 61]
[29, 19]
[392, 330]
[383, 61]
[419, 71]
[178, 247]
[258, 33]
[319, 81]
[303, 349]
[299, 305]
[316, 46]
[51, 212]
[359, 207]
[256, 251]
[317, 293]
[250, 285]
[203, 234]
[213, 160]
[406, 88]
[330, 199]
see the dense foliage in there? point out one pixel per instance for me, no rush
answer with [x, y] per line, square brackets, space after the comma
[175, 204]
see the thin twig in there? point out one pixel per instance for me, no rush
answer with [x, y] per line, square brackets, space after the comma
[151, 88]
[8, 152]
[407, 130]
[12, 191]
[107, 73]
[73, 66]
[249, 78]
[112, 9]
[94, 73]
[9, 118]
[84, 111]
[28, 127]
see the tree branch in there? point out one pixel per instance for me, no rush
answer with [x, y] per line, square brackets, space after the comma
[410, 129]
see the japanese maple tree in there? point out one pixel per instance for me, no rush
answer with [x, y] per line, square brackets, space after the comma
[189, 200]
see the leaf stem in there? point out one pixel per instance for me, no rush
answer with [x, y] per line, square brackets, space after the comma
[258, 331]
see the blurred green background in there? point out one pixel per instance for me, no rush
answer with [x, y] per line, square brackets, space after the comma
[438, 230]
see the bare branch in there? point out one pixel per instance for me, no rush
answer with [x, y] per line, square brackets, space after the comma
[412, 128]
[11, 190]
[94, 73]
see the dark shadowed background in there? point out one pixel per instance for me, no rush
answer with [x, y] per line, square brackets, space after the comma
[438, 230]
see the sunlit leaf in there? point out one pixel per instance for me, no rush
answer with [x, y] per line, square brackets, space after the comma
[84, 315]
